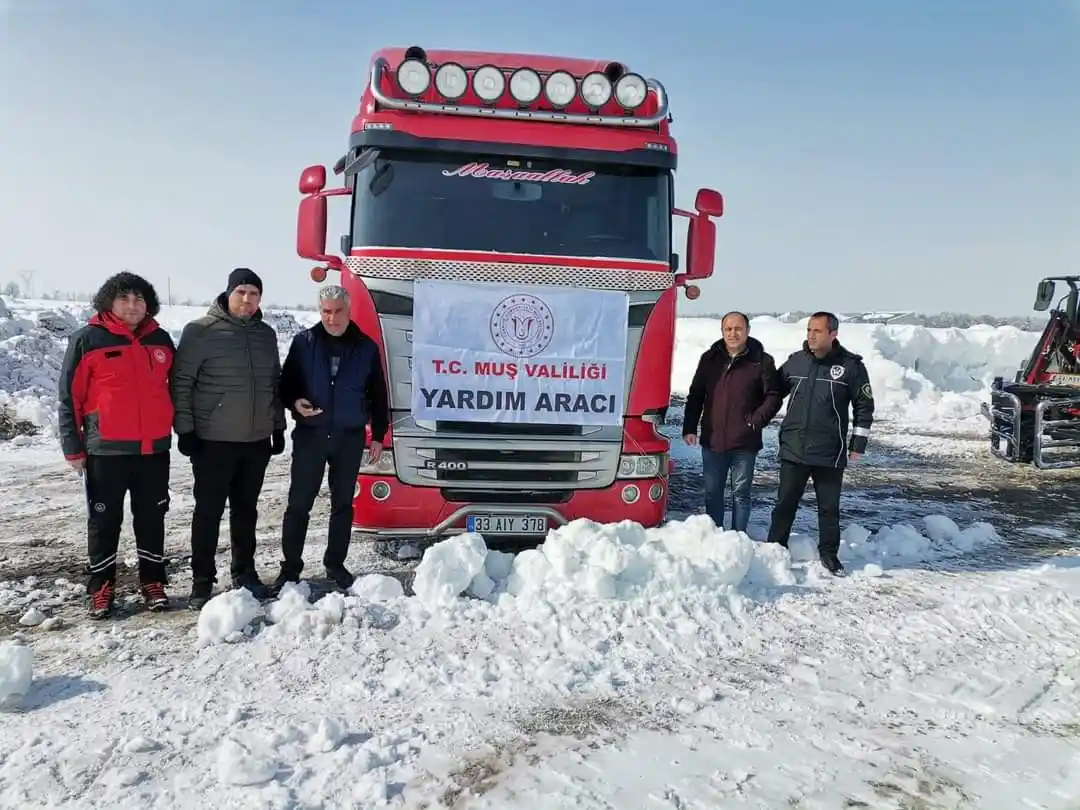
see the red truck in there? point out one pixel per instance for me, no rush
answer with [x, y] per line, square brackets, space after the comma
[529, 199]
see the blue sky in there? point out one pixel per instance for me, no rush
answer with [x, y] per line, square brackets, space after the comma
[873, 154]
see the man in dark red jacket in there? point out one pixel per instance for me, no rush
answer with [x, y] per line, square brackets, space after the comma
[734, 394]
[115, 423]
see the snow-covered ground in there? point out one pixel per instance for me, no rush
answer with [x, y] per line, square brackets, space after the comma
[613, 667]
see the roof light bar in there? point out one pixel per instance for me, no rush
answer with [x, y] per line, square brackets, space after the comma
[631, 90]
[451, 80]
[596, 90]
[413, 77]
[489, 83]
[560, 88]
[525, 85]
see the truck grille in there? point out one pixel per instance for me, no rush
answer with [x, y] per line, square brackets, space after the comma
[508, 496]
[491, 463]
[603, 278]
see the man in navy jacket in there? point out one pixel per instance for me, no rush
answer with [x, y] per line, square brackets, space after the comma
[825, 381]
[333, 382]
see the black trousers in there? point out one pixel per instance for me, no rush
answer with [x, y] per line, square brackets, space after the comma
[233, 472]
[313, 451]
[828, 483]
[108, 479]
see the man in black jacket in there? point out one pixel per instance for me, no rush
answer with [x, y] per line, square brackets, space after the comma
[333, 381]
[824, 379]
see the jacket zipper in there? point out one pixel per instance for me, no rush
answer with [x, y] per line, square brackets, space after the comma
[251, 381]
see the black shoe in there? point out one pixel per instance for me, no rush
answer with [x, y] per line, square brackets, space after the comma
[201, 590]
[255, 586]
[832, 565]
[283, 579]
[341, 576]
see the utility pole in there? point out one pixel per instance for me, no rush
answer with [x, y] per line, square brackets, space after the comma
[168, 282]
[28, 279]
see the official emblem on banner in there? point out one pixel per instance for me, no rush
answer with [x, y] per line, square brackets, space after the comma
[522, 325]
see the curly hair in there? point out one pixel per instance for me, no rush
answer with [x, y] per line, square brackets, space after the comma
[122, 284]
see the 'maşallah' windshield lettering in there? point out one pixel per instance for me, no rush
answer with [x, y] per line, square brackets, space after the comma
[483, 170]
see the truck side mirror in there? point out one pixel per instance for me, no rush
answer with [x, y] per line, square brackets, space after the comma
[1044, 295]
[709, 202]
[700, 248]
[312, 180]
[311, 228]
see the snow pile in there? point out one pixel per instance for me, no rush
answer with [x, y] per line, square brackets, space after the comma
[901, 544]
[585, 564]
[31, 351]
[920, 376]
[285, 324]
[33, 339]
[16, 673]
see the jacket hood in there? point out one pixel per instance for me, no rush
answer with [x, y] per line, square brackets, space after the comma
[754, 348]
[220, 310]
[837, 352]
[108, 321]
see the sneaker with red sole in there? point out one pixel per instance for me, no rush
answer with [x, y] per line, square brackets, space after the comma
[102, 601]
[154, 596]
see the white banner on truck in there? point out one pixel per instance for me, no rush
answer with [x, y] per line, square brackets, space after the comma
[527, 354]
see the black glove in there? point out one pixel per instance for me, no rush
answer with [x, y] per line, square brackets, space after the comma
[188, 444]
[277, 442]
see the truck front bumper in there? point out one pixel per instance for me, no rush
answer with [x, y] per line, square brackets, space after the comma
[384, 507]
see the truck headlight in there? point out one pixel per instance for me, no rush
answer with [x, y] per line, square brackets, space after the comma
[649, 466]
[384, 466]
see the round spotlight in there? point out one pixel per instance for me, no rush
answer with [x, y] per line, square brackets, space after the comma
[380, 490]
[630, 493]
[413, 77]
[596, 89]
[451, 81]
[525, 85]
[631, 90]
[489, 83]
[560, 88]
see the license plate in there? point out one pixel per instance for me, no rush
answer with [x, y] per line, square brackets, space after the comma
[506, 524]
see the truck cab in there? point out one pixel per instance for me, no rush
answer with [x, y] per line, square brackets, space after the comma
[521, 173]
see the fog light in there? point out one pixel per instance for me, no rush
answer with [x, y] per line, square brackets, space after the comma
[630, 493]
[656, 491]
[380, 490]
[356, 490]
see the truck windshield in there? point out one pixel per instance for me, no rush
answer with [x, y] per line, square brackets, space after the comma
[474, 202]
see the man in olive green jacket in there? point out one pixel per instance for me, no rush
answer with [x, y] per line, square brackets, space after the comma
[229, 420]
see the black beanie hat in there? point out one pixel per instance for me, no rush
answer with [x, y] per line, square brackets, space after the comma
[241, 275]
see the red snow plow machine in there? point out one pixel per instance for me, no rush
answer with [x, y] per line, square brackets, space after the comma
[1035, 419]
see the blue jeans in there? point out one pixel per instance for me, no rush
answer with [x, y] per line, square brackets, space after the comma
[715, 467]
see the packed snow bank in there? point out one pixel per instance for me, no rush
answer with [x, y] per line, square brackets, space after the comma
[920, 376]
[584, 564]
[33, 339]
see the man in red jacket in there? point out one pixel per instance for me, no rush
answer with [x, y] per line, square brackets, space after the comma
[115, 424]
[734, 394]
